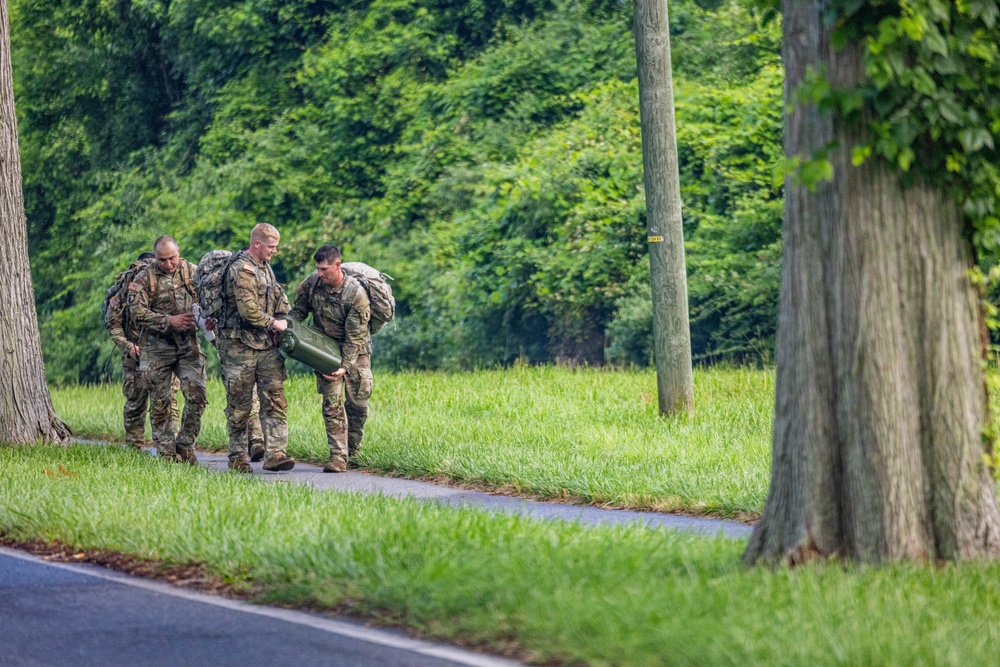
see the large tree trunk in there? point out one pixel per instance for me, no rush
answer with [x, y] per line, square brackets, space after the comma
[26, 413]
[881, 395]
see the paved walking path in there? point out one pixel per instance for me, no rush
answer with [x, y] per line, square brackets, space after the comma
[359, 482]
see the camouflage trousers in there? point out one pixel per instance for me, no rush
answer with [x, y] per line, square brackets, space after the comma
[243, 370]
[136, 401]
[159, 361]
[345, 407]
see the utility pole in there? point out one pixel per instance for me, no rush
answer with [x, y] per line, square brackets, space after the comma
[665, 233]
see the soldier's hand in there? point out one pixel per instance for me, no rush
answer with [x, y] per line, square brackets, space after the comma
[182, 322]
[133, 351]
[335, 374]
[211, 323]
[279, 325]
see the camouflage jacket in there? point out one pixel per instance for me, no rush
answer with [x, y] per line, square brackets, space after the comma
[254, 300]
[154, 296]
[123, 330]
[341, 312]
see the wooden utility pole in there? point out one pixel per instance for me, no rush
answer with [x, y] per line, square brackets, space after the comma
[26, 413]
[665, 233]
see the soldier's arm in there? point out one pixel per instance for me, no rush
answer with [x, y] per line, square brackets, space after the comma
[115, 325]
[300, 311]
[245, 293]
[282, 310]
[356, 328]
[138, 302]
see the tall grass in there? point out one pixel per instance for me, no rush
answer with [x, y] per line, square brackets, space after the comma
[599, 595]
[589, 434]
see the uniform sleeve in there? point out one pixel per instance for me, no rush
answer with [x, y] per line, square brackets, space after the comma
[115, 324]
[282, 309]
[245, 294]
[356, 328]
[138, 301]
[300, 311]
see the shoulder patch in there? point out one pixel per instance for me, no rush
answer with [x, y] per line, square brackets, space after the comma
[249, 268]
[132, 287]
[113, 302]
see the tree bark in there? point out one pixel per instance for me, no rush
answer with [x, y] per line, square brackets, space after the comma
[881, 406]
[665, 232]
[26, 413]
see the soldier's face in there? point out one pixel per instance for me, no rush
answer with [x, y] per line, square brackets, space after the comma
[266, 248]
[329, 272]
[168, 257]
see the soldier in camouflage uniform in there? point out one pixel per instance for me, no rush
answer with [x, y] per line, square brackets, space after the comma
[161, 299]
[125, 335]
[340, 309]
[254, 311]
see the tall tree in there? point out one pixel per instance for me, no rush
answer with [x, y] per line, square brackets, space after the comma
[26, 413]
[881, 409]
[665, 232]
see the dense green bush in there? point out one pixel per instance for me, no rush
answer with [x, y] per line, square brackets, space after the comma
[486, 154]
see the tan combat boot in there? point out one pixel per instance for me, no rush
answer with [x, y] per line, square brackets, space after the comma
[240, 465]
[256, 452]
[335, 464]
[278, 462]
[187, 456]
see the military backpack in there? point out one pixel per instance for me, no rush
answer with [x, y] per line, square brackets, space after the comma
[376, 286]
[117, 295]
[210, 279]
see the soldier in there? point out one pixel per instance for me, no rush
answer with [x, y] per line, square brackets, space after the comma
[340, 309]
[161, 299]
[125, 334]
[254, 311]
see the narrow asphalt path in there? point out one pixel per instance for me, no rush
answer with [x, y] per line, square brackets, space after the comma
[359, 482]
[57, 614]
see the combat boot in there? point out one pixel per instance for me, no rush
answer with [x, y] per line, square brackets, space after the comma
[278, 462]
[335, 464]
[240, 465]
[168, 456]
[187, 456]
[256, 452]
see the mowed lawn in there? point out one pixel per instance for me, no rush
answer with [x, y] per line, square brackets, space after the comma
[564, 594]
[591, 435]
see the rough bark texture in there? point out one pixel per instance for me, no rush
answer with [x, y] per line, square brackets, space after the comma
[671, 326]
[26, 413]
[881, 394]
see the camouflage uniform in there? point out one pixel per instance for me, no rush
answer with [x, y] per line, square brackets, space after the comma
[153, 297]
[249, 356]
[342, 313]
[125, 334]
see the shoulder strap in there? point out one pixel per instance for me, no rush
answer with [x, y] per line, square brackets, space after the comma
[185, 268]
[225, 287]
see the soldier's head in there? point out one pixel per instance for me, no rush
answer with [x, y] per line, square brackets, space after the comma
[327, 260]
[143, 256]
[167, 254]
[264, 242]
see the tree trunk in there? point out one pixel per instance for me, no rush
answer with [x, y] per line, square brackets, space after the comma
[665, 232]
[881, 394]
[26, 413]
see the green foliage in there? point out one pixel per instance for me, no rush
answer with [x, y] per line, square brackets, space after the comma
[484, 153]
[932, 95]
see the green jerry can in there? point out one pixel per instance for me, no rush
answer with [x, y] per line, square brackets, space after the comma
[310, 346]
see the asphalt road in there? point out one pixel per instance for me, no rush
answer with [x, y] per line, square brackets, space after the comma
[55, 614]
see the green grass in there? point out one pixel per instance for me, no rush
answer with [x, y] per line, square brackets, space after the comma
[603, 596]
[589, 434]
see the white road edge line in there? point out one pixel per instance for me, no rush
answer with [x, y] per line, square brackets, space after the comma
[370, 635]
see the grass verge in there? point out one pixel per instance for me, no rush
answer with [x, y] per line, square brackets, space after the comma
[591, 435]
[597, 596]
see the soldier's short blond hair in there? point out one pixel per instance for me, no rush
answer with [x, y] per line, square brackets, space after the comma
[264, 231]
